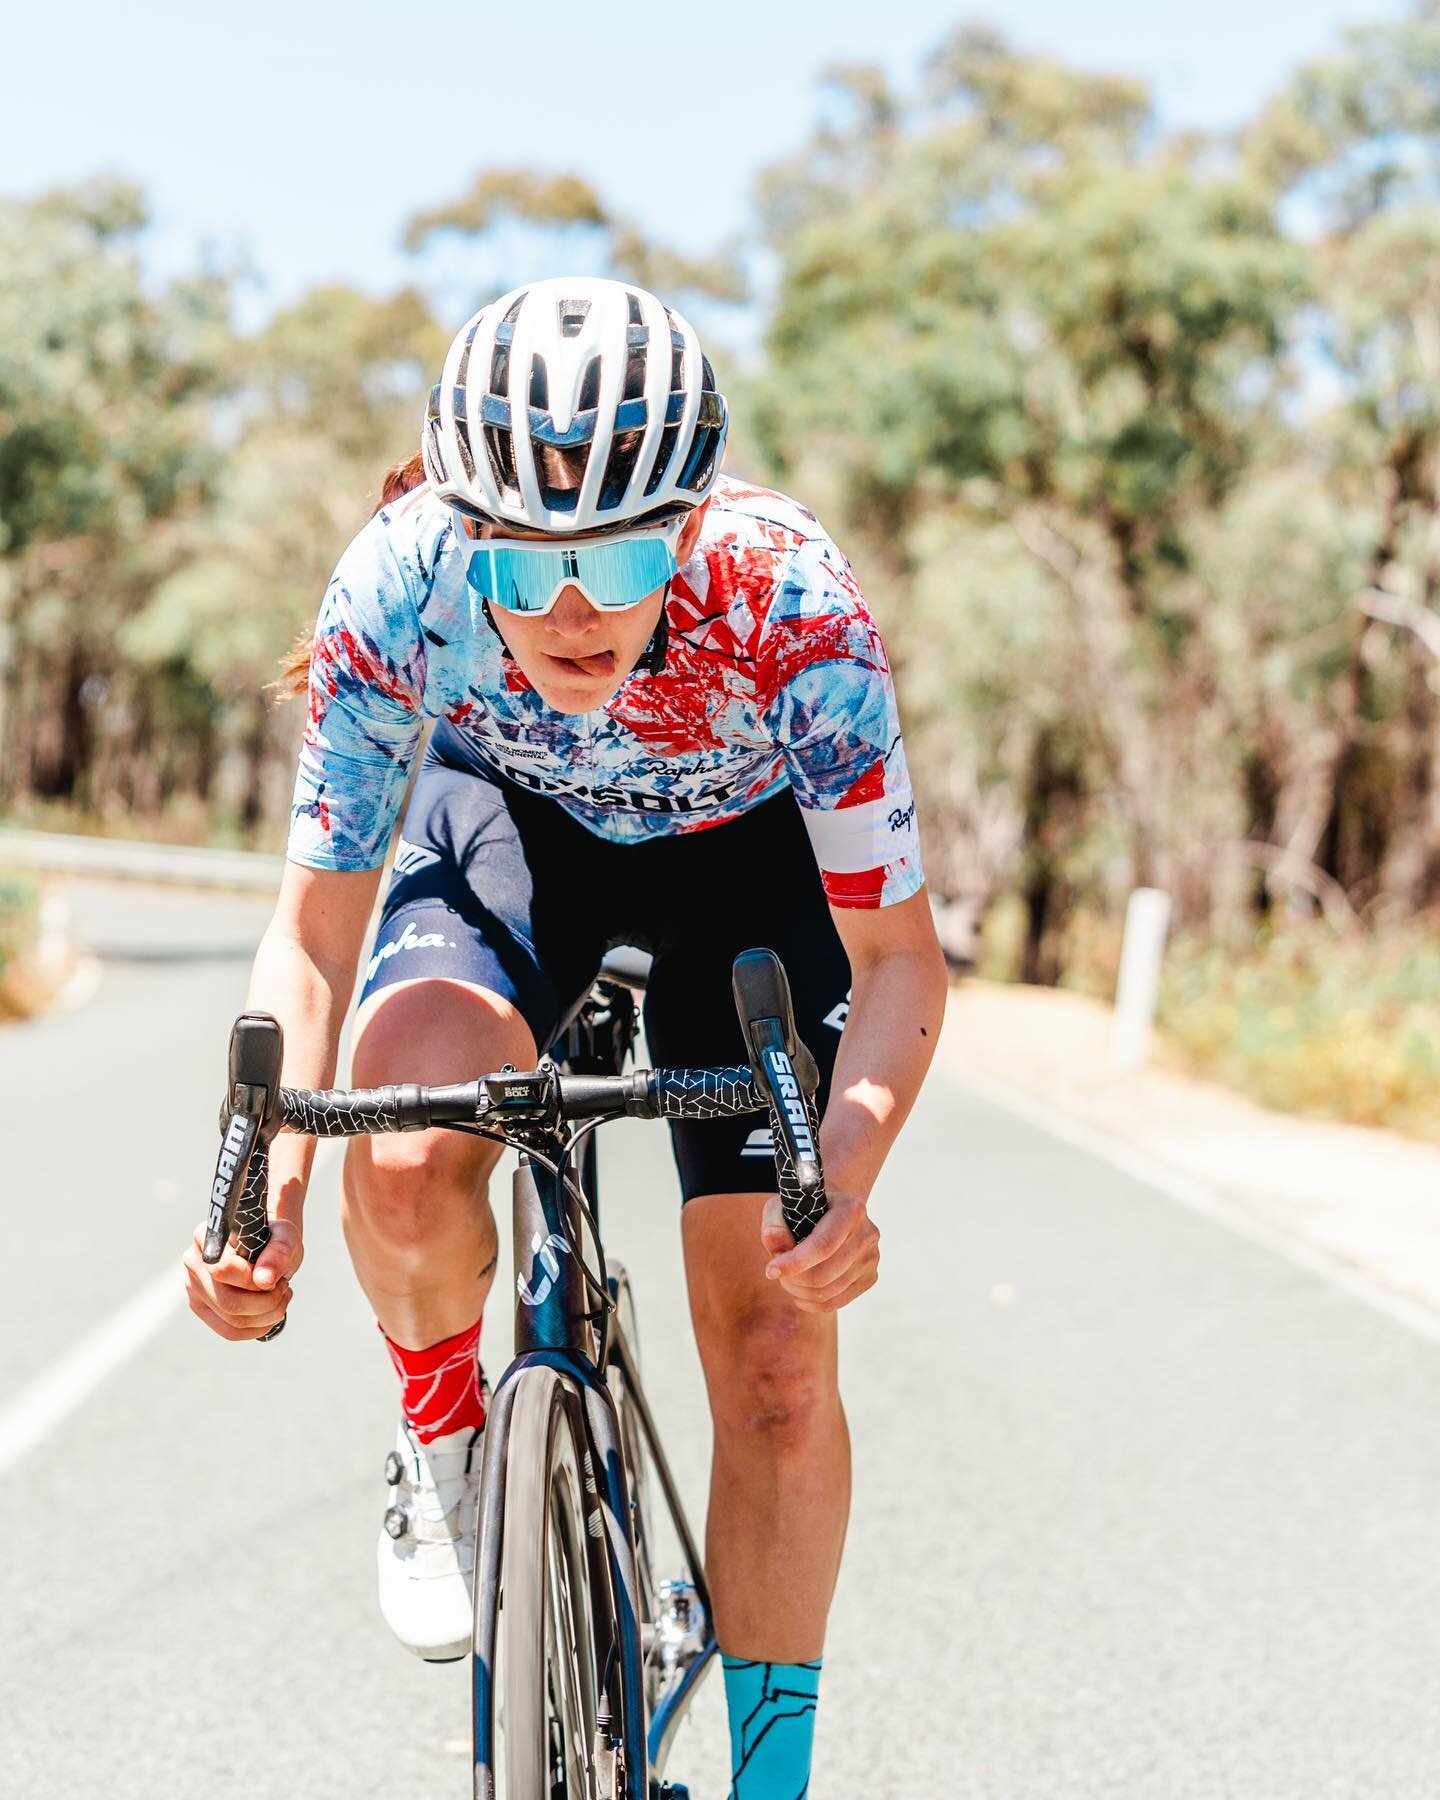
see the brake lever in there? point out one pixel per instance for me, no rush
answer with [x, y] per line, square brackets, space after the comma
[786, 1070]
[239, 1193]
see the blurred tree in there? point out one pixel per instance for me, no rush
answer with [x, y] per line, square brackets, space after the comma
[104, 440]
[1001, 304]
[318, 404]
[1353, 145]
[567, 207]
[172, 499]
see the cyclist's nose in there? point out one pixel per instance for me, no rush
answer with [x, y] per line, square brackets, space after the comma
[572, 615]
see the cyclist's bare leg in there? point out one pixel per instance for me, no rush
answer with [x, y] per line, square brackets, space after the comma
[415, 1208]
[780, 1479]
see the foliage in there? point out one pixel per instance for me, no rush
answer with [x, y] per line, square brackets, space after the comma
[1333, 1028]
[19, 920]
[568, 204]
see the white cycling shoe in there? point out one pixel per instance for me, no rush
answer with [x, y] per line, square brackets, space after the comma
[426, 1552]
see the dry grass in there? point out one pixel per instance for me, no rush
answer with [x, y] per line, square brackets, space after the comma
[19, 923]
[1327, 1028]
[1299, 1020]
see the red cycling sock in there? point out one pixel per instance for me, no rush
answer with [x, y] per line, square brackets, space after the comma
[442, 1389]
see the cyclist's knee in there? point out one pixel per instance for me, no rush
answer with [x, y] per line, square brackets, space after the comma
[774, 1375]
[437, 1031]
[410, 1190]
[413, 1189]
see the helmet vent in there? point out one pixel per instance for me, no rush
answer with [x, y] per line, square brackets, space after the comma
[500, 369]
[539, 384]
[662, 457]
[573, 314]
[635, 373]
[462, 372]
[462, 438]
[501, 447]
[514, 312]
[437, 456]
[563, 494]
[624, 453]
[636, 316]
[590, 386]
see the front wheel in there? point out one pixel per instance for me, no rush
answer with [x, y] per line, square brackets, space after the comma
[547, 1680]
[632, 1442]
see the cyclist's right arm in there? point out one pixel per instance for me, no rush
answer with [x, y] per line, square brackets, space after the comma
[304, 974]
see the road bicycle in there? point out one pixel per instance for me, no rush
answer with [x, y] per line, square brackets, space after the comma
[583, 1659]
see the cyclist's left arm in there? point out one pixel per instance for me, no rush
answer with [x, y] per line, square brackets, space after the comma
[832, 710]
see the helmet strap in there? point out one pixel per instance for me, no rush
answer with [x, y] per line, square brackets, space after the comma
[490, 621]
[652, 658]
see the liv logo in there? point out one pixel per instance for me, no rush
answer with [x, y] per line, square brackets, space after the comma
[546, 1268]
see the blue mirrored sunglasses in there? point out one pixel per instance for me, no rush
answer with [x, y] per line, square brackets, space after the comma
[612, 573]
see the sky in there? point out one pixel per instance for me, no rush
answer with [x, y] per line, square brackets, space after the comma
[297, 138]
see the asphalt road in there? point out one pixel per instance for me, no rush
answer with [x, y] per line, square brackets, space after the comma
[1142, 1509]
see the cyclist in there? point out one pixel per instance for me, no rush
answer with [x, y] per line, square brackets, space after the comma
[664, 717]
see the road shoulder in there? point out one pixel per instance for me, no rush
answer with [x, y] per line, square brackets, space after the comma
[1368, 1199]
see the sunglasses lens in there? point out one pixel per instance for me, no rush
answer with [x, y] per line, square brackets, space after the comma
[622, 575]
[612, 576]
[519, 582]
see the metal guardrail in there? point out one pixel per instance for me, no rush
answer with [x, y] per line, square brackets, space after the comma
[115, 859]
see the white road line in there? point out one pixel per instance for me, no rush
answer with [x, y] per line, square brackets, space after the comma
[1234, 1215]
[69, 1382]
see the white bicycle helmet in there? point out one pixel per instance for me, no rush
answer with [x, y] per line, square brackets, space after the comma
[600, 370]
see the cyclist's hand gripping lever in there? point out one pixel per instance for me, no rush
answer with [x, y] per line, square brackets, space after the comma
[785, 1070]
[248, 1120]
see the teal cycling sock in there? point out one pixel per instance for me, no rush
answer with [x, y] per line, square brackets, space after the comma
[772, 1727]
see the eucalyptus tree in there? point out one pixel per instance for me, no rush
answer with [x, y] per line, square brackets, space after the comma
[105, 444]
[1353, 145]
[1027, 349]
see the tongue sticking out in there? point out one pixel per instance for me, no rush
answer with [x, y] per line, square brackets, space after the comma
[603, 663]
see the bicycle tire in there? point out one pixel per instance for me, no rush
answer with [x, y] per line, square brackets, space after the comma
[547, 1679]
[637, 1467]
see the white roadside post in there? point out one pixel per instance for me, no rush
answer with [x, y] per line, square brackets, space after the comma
[1147, 918]
[54, 943]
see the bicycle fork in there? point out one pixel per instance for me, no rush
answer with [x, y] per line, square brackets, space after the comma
[553, 1329]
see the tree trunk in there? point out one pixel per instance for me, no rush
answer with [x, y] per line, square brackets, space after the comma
[1051, 809]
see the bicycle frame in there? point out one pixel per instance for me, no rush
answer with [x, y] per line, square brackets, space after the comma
[578, 1350]
[555, 1327]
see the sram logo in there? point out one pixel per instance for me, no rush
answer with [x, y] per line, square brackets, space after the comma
[794, 1101]
[760, 1142]
[225, 1168]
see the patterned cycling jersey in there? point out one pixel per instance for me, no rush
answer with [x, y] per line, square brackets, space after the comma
[774, 675]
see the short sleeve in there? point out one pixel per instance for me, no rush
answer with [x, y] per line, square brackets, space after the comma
[366, 704]
[830, 705]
